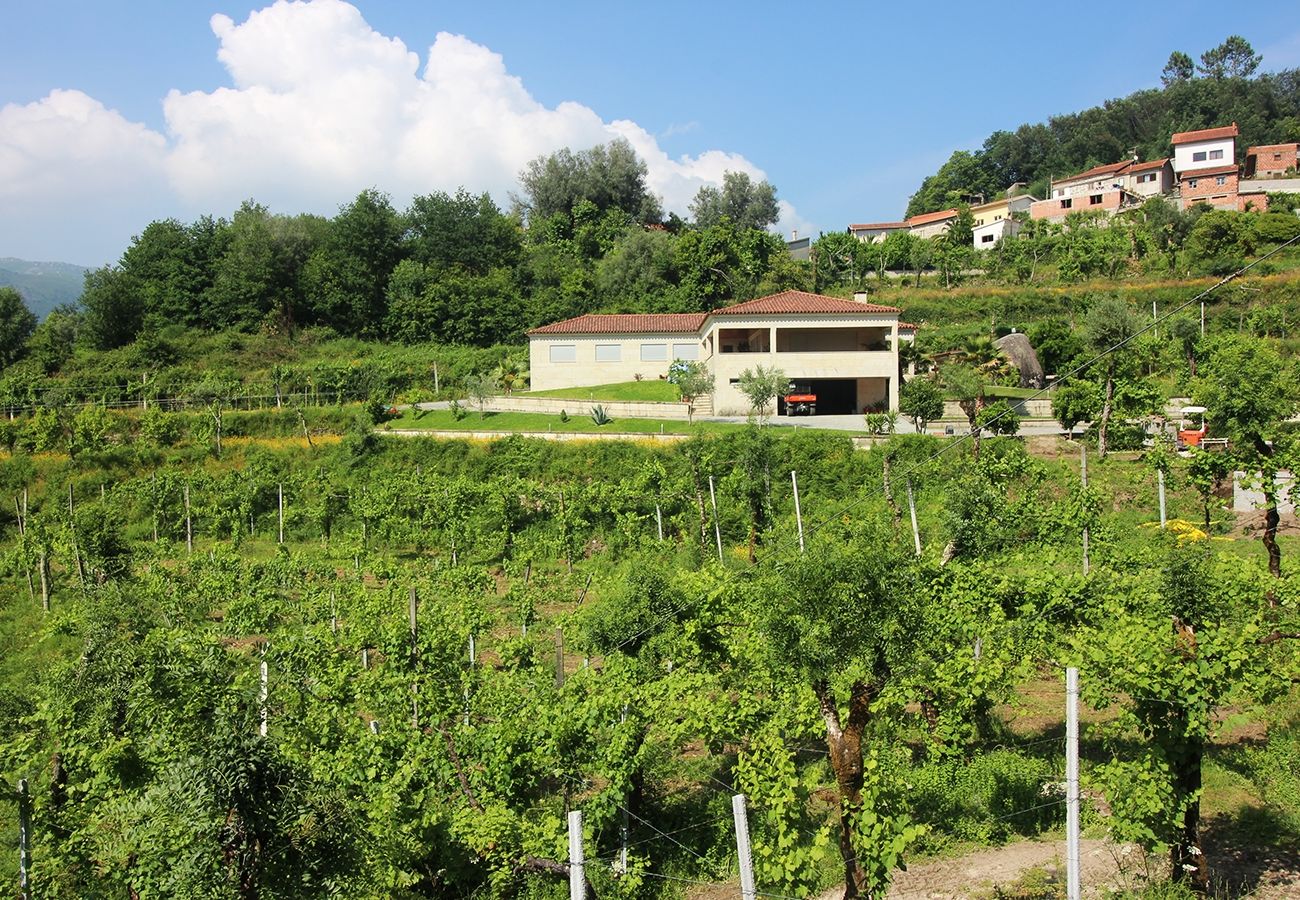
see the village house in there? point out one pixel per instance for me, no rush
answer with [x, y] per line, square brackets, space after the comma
[875, 232]
[928, 225]
[992, 221]
[1272, 161]
[846, 352]
[1205, 163]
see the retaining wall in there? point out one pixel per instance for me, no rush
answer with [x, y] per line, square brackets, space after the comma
[614, 408]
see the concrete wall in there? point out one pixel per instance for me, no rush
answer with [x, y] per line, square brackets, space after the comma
[617, 409]
[1025, 409]
[1208, 190]
[586, 368]
[1054, 211]
[1247, 497]
[1184, 155]
[1163, 182]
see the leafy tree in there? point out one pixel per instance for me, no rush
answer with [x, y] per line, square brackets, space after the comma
[921, 400]
[1110, 326]
[52, 343]
[1220, 240]
[1187, 332]
[1234, 58]
[347, 276]
[481, 388]
[113, 314]
[966, 384]
[761, 386]
[17, 323]
[611, 176]
[998, 417]
[743, 201]
[1056, 344]
[640, 274]
[462, 229]
[693, 380]
[1075, 402]
[1178, 69]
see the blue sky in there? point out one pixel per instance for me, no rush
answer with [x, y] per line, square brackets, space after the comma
[843, 107]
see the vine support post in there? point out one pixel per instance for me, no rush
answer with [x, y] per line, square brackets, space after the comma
[262, 695]
[659, 519]
[412, 608]
[1083, 473]
[717, 530]
[24, 832]
[1202, 318]
[738, 812]
[559, 657]
[1072, 783]
[798, 512]
[577, 869]
[623, 824]
[189, 523]
[1160, 478]
[279, 496]
[43, 566]
[911, 508]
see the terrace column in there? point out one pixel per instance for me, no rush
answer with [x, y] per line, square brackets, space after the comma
[771, 337]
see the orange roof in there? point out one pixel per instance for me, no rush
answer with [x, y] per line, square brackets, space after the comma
[1096, 171]
[927, 218]
[1207, 173]
[1205, 134]
[1270, 148]
[878, 226]
[634, 323]
[797, 302]
[907, 326]
[1154, 164]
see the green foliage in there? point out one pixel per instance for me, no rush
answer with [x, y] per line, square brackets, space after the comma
[921, 400]
[741, 201]
[17, 323]
[1075, 402]
[762, 385]
[599, 416]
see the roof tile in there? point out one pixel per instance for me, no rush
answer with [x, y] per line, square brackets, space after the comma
[1096, 172]
[797, 302]
[1205, 134]
[634, 323]
[1207, 173]
[927, 218]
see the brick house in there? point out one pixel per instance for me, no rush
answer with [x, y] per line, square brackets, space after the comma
[1217, 187]
[875, 232]
[1272, 160]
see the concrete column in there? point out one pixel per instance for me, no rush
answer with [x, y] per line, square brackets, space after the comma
[893, 393]
[772, 340]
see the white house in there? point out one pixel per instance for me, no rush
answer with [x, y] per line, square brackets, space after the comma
[1209, 148]
[844, 351]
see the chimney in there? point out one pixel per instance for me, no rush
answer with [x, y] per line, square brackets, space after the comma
[794, 235]
[859, 296]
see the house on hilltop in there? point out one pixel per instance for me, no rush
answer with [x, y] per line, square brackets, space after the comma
[1272, 160]
[1205, 162]
[844, 351]
[992, 221]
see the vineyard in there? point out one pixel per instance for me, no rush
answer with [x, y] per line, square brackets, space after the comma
[281, 666]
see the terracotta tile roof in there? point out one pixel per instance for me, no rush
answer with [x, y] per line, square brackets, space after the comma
[907, 326]
[1205, 134]
[1096, 172]
[927, 218]
[1207, 173]
[880, 226]
[1270, 148]
[634, 323]
[1153, 164]
[797, 302]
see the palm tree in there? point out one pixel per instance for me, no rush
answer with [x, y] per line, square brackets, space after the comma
[510, 374]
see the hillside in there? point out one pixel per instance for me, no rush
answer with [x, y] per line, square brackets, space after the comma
[1266, 108]
[44, 285]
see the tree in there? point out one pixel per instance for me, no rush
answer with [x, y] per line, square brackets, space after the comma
[462, 230]
[747, 203]
[966, 385]
[1187, 332]
[609, 175]
[113, 312]
[921, 400]
[17, 323]
[693, 380]
[347, 276]
[761, 386]
[1110, 326]
[480, 388]
[1075, 402]
[1234, 58]
[1178, 69]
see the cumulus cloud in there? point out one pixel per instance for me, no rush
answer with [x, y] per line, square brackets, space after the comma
[320, 106]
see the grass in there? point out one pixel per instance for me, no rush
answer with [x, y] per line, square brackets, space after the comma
[578, 423]
[655, 391]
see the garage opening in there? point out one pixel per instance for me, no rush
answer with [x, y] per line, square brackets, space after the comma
[819, 397]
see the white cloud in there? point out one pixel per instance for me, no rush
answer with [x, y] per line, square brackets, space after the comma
[321, 106]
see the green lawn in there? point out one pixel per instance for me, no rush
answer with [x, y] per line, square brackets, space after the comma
[443, 420]
[644, 391]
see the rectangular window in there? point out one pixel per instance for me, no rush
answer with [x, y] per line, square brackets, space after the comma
[1094, 199]
[1198, 156]
[564, 353]
[1145, 179]
[654, 353]
[1216, 154]
[1222, 179]
[1191, 182]
[609, 353]
[1067, 203]
[686, 351]
[986, 239]
[1277, 155]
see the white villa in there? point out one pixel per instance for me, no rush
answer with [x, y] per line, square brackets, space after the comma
[844, 351]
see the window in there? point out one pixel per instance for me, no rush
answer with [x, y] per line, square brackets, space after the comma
[997, 218]
[1191, 182]
[1277, 155]
[1222, 179]
[564, 353]
[1198, 156]
[1145, 178]
[1067, 203]
[609, 353]
[1094, 199]
[686, 351]
[654, 353]
[1216, 154]
[986, 239]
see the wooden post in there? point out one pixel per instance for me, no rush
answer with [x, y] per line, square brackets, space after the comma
[412, 609]
[1072, 783]
[717, 530]
[24, 832]
[911, 508]
[1083, 471]
[623, 825]
[262, 695]
[472, 654]
[144, 399]
[559, 657]
[659, 520]
[586, 587]
[76, 545]
[189, 523]
[365, 657]
[1160, 477]
[738, 813]
[798, 513]
[577, 871]
[334, 615]
[279, 493]
[43, 566]
[435, 379]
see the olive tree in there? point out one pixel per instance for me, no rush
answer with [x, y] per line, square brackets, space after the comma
[761, 386]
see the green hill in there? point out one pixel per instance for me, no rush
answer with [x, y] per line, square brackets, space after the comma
[44, 285]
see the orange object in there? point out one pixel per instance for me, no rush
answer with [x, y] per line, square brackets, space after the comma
[1191, 438]
[800, 398]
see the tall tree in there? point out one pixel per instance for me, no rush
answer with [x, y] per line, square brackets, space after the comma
[17, 323]
[1110, 326]
[747, 203]
[610, 175]
[461, 229]
[1179, 69]
[1234, 58]
[347, 277]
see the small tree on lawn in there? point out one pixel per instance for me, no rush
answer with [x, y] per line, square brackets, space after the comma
[761, 386]
[1110, 327]
[480, 388]
[1075, 402]
[966, 385]
[921, 400]
[693, 380]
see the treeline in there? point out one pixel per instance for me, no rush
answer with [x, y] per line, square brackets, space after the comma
[585, 234]
[1221, 90]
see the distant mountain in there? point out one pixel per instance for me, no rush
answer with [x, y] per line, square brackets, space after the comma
[44, 285]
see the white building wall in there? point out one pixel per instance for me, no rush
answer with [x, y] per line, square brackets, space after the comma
[548, 368]
[1185, 155]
